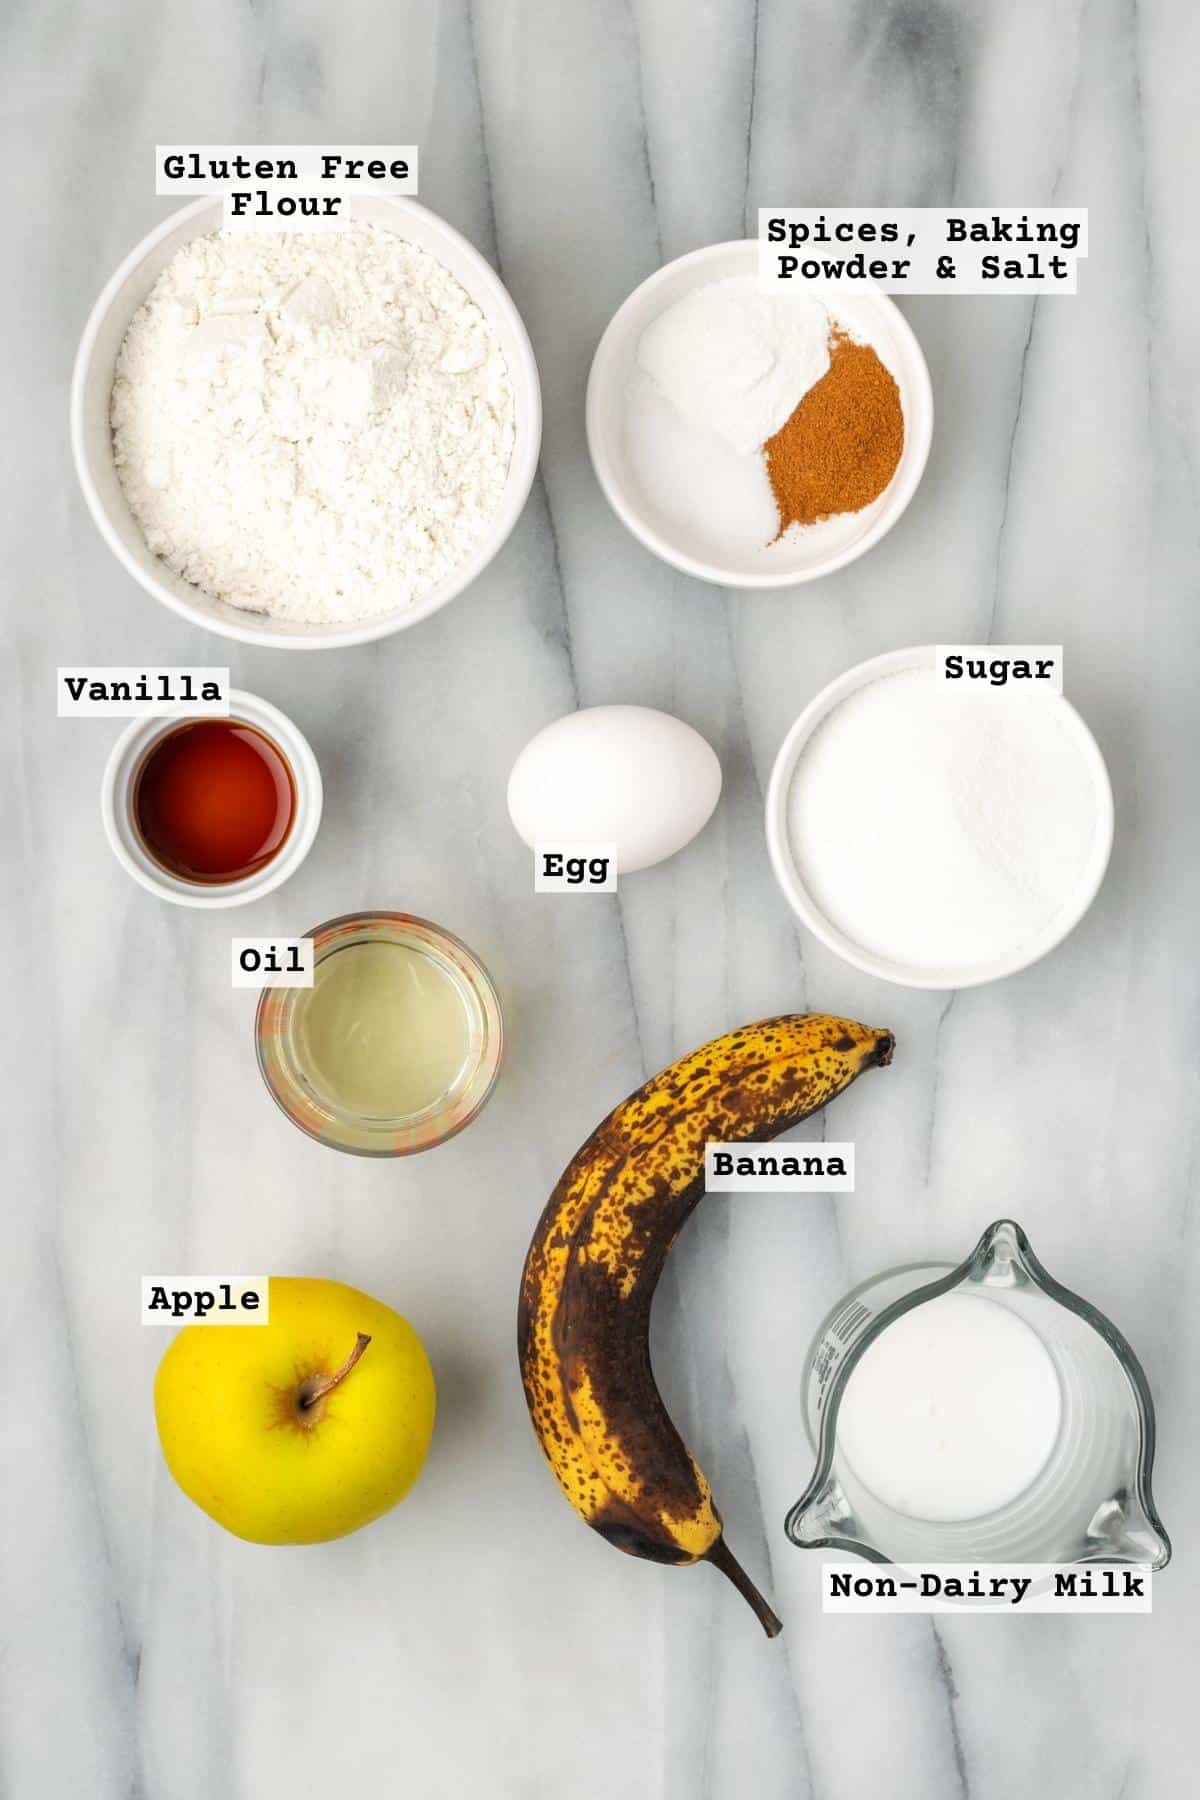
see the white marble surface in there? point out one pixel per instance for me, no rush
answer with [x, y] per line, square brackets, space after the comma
[479, 1641]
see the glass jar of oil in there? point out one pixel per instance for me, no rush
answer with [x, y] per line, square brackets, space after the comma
[396, 1045]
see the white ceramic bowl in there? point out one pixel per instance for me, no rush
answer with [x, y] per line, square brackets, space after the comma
[116, 794]
[820, 549]
[91, 436]
[801, 901]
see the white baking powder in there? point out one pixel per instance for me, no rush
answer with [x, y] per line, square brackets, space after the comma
[943, 830]
[315, 427]
[736, 362]
[716, 374]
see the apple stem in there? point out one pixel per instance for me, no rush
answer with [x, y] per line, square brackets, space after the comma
[312, 1392]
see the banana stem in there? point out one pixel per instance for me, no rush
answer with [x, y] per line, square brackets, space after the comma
[721, 1557]
[310, 1393]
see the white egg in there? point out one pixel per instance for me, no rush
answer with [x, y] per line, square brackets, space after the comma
[623, 775]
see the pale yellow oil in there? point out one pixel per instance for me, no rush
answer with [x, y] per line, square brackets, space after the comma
[383, 1032]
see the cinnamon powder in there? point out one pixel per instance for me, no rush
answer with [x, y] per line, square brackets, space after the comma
[839, 449]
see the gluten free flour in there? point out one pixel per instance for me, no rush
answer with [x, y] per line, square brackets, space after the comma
[314, 427]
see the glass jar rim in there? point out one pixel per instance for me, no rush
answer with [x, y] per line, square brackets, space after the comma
[444, 1117]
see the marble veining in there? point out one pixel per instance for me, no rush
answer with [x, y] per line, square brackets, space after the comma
[479, 1641]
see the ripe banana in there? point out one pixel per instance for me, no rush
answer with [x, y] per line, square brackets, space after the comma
[596, 1256]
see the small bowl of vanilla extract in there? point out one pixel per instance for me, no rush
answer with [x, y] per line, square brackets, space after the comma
[212, 811]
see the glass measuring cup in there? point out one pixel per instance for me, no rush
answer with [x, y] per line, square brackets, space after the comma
[1091, 1501]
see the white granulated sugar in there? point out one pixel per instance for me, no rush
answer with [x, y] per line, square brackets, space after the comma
[736, 362]
[943, 831]
[314, 427]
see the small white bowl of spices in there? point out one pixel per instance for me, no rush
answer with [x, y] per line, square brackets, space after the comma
[756, 441]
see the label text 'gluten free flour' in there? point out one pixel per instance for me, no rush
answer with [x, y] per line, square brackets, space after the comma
[285, 187]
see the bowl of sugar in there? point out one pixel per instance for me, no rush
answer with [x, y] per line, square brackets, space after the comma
[305, 440]
[937, 834]
[751, 439]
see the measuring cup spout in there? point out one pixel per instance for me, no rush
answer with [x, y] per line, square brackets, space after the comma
[1121, 1530]
[1001, 1259]
[820, 1513]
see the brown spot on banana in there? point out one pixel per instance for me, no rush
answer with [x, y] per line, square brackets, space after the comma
[599, 1249]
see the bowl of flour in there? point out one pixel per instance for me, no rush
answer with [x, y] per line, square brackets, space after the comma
[936, 837]
[306, 440]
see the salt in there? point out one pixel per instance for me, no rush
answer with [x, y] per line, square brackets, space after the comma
[693, 482]
[943, 831]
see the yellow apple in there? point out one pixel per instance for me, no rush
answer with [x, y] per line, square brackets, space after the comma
[302, 1429]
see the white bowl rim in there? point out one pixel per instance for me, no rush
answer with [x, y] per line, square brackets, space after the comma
[902, 974]
[125, 758]
[526, 450]
[704, 570]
